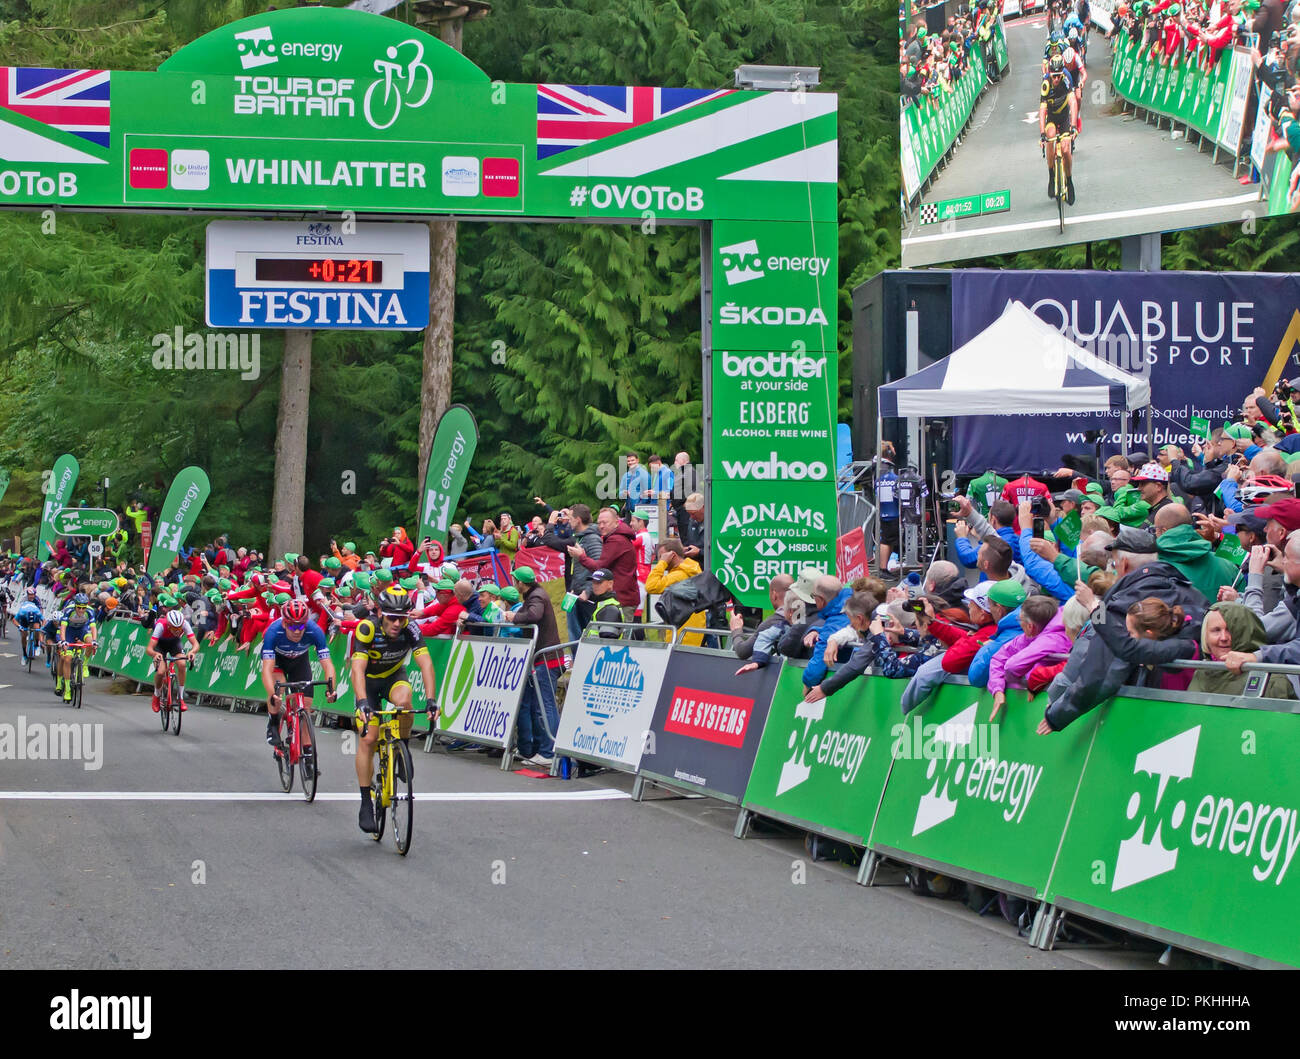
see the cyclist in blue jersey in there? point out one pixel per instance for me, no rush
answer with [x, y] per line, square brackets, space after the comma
[29, 618]
[887, 500]
[286, 647]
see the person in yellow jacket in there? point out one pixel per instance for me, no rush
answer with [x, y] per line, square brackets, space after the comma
[673, 566]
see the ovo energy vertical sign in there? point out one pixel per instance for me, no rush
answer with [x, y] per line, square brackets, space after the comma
[334, 113]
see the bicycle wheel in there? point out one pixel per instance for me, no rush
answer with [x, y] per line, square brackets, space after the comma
[1060, 193]
[403, 797]
[307, 762]
[282, 755]
[78, 681]
[176, 700]
[377, 790]
[165, 704]
[30, 653]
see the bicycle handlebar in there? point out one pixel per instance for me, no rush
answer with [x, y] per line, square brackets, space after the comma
[300, 684]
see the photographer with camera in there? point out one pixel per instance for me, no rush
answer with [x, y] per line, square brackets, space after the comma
[573, 526]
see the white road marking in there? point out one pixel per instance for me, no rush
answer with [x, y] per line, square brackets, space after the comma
[323, 796]
[1146, 211]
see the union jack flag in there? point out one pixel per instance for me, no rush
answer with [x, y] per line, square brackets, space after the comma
[73, 101]
[570, 116]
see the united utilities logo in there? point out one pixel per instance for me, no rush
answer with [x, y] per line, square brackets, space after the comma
[613, 686]
[256, 47]
[460, 681]
[842, 751]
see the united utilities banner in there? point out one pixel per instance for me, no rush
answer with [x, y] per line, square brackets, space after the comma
[453, 448]
[822, 765]
[1192, 826]
[980, 797]
[610, 702]
[708, 723]
[1205, 340]
[58, 488]
[185, 500]
[479, 698]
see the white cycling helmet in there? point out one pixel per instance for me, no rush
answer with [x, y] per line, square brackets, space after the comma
[175, 619]
[1069, 56]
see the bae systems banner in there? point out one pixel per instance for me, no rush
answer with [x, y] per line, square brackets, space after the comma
[708, 723]
[1204, 340]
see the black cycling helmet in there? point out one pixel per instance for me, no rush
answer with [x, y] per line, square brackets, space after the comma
[396, 602]
[1055, 66]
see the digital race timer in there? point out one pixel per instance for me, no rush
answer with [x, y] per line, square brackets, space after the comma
[319, 270]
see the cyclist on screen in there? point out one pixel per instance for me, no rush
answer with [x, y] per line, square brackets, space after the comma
[1057, 113]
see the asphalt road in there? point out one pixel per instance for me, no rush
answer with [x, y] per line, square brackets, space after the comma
[1129, 176]
[181, 852]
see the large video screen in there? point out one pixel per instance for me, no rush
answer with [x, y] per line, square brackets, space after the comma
[1024, 126]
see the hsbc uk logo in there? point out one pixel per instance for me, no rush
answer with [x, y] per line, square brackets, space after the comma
[1268, 836]
[770, 548]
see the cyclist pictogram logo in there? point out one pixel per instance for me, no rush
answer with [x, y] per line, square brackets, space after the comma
[416, 84]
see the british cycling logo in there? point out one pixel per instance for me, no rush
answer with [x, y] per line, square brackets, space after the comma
[1218, 823]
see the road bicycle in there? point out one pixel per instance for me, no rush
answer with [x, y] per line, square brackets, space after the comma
[295, 746]
[32, 646]
[169, 695]
[391, 786]
[1062, 188]
[76, 671]
[4, 614]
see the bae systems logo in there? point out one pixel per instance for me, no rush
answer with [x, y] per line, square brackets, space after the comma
[501, 178]
[709, 715]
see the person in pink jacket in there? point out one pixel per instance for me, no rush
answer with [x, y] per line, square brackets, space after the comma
[1044, 634]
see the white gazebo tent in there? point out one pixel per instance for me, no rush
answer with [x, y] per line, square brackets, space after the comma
[1018, 364]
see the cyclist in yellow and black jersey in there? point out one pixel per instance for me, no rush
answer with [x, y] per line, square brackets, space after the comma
[378, 654]
[1057, 113]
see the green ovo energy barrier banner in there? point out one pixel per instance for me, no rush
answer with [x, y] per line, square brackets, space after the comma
[453, 448]
[928, 129]
[1213, 103]
[58, 488]
[1192, 826]
[185, 500]
[822, 765]
[987, 800]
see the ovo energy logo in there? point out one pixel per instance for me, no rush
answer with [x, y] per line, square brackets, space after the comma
[741, 262]
[1139, 858]
[256, 48]
[844, 751]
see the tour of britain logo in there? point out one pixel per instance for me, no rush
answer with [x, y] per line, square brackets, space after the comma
[614, 685]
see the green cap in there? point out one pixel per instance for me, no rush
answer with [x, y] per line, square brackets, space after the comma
[451, 571]
[445, 585]
[333, 564]
[224, 584]
[281, 599]
[350, 546]
[326, 582]
[384, 574]
[1093, 489]
[1238, 431]
[213, 595]
[290, 557]
[1108, 512]
[526, 575]
[362, 581]
[490, 588]
[1008, 593]
[510, 594]
[410, 583]
[344, 592]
